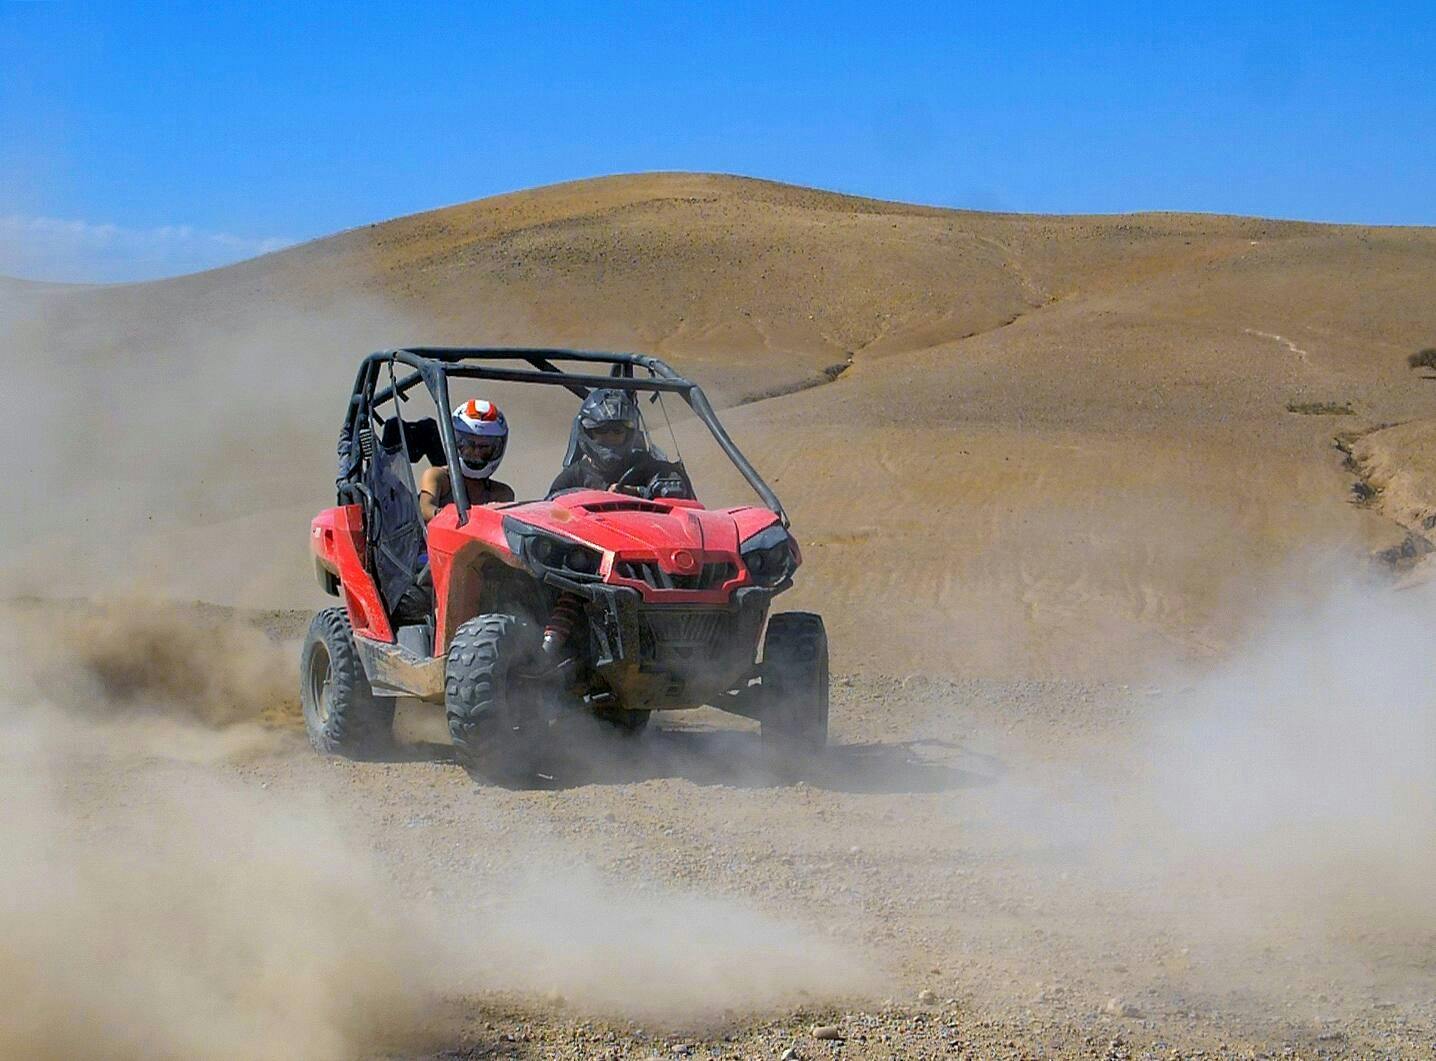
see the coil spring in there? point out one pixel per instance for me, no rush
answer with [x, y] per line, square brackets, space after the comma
[561, 620]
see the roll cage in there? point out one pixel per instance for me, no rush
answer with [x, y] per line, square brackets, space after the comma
[433, 365]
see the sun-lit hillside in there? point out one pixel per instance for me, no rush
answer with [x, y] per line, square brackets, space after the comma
[1056, 443]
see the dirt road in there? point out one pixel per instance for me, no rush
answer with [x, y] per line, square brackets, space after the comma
[975, 869]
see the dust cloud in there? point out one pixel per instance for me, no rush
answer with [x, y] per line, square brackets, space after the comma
[644, 949]
[156, 900]
[1306, 764]
[1263, 826]
[175, 452]
[182, 914]
[134, 655]
[152, 903]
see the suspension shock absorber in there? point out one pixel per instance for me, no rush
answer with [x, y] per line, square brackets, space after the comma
[562, 618]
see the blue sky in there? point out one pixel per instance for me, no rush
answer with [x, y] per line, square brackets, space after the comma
[141, 139]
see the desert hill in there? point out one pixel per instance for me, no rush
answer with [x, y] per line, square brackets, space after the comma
[1056, 445]
[761, 284]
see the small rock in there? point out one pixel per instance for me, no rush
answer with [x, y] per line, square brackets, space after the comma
[681, 1049]
[828, 1031]
[790, 1054]
[927, 997]
[1119, 1007]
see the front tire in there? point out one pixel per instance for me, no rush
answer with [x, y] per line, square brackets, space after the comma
[795, 680]
[495, 715]
[341, 713]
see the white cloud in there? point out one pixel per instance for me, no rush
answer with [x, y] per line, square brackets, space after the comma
[51, 248]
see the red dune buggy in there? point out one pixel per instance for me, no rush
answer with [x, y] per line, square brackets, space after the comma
[612, 604]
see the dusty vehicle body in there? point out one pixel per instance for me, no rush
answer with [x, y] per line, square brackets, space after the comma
[611, 603]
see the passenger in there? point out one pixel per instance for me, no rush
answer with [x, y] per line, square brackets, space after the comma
[482, 435]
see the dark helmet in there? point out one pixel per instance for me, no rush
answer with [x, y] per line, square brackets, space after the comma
[609, 431]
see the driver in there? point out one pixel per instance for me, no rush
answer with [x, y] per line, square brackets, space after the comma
[611, 445]
[482, 434]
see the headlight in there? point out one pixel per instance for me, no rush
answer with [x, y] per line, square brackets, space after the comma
[550, 552]
[769, 555]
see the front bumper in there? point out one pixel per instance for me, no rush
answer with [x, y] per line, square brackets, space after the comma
[655, 656]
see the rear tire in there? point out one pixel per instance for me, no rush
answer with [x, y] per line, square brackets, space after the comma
[495, 718]
[795, 680]
[341, 713]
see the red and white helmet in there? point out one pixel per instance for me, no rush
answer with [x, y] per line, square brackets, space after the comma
[482, 434]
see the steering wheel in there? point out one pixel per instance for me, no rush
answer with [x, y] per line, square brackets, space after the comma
[625, 481]
[656, 470]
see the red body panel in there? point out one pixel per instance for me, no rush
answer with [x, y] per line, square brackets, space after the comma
[678, 536]
[336, 538]
[749, 521]
[618, 523]
[485, 531]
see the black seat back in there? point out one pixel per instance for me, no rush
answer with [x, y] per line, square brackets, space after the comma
[395, 524]
[421, 436]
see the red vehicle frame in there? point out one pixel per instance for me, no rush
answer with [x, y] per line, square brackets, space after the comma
[674, 596]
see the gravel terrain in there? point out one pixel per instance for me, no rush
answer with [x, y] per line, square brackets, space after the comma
[962, 874]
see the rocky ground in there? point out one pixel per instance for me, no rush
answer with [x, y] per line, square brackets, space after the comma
[980, 868]
[974, 858]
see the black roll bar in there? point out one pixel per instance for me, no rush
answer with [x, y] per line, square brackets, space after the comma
[433, 365]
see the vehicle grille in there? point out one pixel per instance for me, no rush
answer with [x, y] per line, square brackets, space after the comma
[685, 628]
[709, 576]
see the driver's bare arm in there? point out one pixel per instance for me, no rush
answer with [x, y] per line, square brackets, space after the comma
[433, 487]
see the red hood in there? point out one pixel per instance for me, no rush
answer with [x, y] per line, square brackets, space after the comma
[632, 526]
[697, 547]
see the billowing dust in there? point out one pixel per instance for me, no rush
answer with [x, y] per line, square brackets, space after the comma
[1307, 763]
[135, 655]
[183, 451]
[155, 902]
[154, 911]
[1256, 834]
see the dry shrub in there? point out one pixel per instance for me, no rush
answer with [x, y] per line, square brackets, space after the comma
[1423, 358]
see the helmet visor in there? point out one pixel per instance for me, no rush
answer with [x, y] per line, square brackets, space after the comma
[614, 435]
[480, 449]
